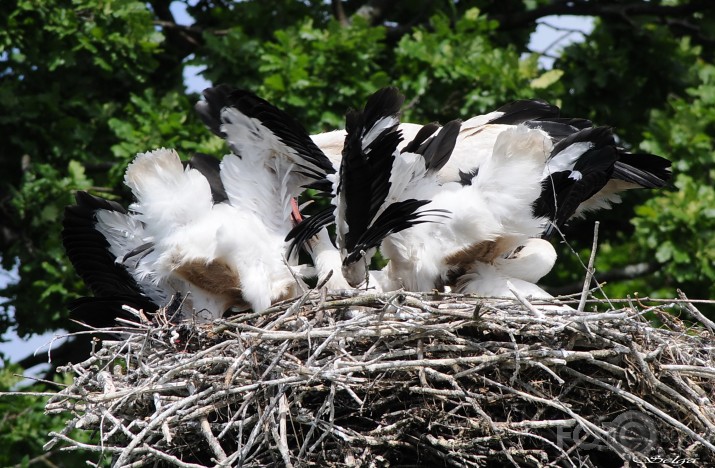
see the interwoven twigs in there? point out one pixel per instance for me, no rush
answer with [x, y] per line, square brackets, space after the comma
[400, 378]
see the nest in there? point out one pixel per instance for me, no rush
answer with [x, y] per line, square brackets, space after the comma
[400, 379]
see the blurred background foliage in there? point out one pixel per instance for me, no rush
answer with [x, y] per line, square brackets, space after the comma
[86, 84]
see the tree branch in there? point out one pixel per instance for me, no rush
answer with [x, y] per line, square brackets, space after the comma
[339, 12]
[617, 10]
[184, 40]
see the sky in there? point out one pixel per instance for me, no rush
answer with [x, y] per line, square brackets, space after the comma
[552, 34]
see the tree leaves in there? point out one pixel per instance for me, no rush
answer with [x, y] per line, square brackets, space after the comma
[680, 225]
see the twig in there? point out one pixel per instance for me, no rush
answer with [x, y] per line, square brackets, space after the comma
[523, 301]
[304, 383]
[709, 324]
[589, 269]
[211, 439]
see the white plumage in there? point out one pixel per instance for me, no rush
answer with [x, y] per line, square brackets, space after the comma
[460, 206]
[196, 248]
[522, 268]
[488, 217]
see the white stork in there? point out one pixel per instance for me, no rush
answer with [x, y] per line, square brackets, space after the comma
[586, 170]
[374, 187]
[211, 232]
[108, 247]
[491, 215]
[523, 267]
[581, 169]
[485, 215]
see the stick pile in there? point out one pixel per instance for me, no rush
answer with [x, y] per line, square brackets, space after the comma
[400, 379]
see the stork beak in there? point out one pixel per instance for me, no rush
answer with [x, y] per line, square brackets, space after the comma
[295, 212]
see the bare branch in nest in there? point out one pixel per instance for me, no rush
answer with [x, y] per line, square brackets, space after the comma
[590, 269]
[362, 378]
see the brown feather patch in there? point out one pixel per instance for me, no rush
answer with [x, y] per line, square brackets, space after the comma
[215, 277]
[485, 252]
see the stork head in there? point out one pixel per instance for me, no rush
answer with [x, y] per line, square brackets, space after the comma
[530, 261]
[356, 265]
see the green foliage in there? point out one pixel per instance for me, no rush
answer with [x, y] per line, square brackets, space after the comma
[47, 277]
[151, 122]
[313, 72]
[620, 72]
[456, 71]
[317, 73]
[231, 57]
[679, 226]
[63, 66]
[65, 69]
[24, 426]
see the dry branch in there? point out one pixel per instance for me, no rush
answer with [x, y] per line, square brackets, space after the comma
[358, 379]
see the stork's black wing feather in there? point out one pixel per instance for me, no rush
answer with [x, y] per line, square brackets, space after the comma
[396, 217]
[210, 167]
[284, 126]
[563, 192]
[646, 170]
[557, 131]
[597, 136]
[576, 122]
[422, 135]
[438, 149]
[309, 227]
[88, 252]
[209, 110]
[322, 185]
[523, 110]
[368, 157]
[315, 165]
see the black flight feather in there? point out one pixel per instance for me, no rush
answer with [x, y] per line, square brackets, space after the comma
[285, 127]
[322, 185]
[288, 130]
[422, 135]
[557, 131]
[437, 150]
[523, 110]
[309, 227]
[597, 136]
[209, 110]
[646, 170]
[88, 250]
[367, 162]
[210, 167]
[564, 191]
[579, 123]
[396, 217]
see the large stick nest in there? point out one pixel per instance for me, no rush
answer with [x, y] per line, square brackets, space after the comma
[399, 379]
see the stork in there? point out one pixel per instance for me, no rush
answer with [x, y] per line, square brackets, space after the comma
[371, 191]
[585, 172]
[490, 216]
[107, 245]
[213, 232]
